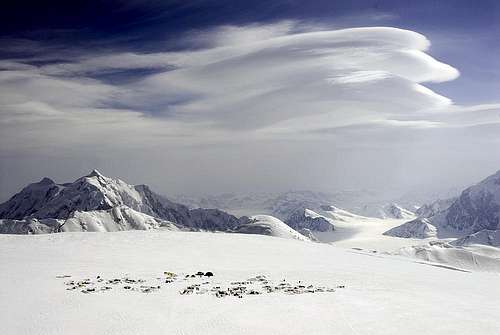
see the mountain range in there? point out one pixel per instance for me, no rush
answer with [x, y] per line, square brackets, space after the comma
[98, 203]
[475, 212]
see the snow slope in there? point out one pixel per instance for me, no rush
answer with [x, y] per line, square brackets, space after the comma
[115, 219]
[360, 232]
[373, 236]
[383, 294]
[477, 258]
[271, 226]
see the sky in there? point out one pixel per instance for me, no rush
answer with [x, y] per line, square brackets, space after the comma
[206, 97]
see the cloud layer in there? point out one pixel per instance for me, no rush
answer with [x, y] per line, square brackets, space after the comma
[255, 86]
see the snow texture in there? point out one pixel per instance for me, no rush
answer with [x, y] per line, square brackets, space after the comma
[383, 294]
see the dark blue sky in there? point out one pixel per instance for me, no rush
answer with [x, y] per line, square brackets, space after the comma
[464, 33]
[157, 20]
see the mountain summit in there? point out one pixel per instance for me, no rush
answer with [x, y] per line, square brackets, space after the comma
[98, 203]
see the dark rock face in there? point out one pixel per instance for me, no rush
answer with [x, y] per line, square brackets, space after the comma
[29, 226]
[475, 210]
[251, 228]
[471, 213]
[299, 221]
[80, 196]
[214, 220]
[158, 206]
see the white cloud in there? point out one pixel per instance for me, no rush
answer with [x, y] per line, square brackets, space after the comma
[274, 89]
[259, 82]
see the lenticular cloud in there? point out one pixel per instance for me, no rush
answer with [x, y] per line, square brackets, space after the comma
[256, 83]
[273, 78]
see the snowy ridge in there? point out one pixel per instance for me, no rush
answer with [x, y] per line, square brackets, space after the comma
[483, 237]
[429, 210]
[31, 199]
[339, 214]
[475, 259]
[269, 225]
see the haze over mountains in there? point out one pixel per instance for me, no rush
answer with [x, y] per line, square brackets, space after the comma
[282, 205]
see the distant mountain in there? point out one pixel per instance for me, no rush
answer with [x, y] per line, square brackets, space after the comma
[397, 212]
[429, 210]
[284, 205]
[98, 203]
[306, 220]
[476, 209]
[418, 228]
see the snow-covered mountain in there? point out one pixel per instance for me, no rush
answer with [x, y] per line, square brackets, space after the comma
[429, 210]
[308, 220]
[418, 228]
[397, 212]
[98, 203]
[269, 225]
[476, 209]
